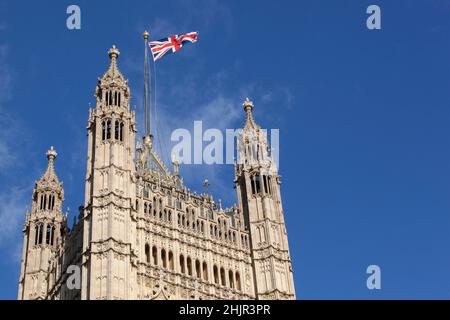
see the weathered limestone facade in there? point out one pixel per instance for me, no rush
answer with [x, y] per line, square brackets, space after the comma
[142, 234]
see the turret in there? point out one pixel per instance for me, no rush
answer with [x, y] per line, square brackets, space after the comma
[258, 187]
[43, 232]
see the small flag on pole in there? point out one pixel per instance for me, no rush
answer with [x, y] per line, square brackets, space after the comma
[171, 44]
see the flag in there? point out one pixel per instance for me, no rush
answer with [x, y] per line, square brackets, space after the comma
[171, 44]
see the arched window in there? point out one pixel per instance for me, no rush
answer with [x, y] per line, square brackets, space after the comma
[182, 269]
[121, 132]
[110, 98]
[266, 189]
[268, 183]
[155, 256]
[222, 276]
[171, 266]
[238, 281]
[163, 258]
[36, 234]
[52, 235]
[198, 271]
[189, 266]
[205, 271]
[41, 233]
[216, 275]
[169, 199]
[147, 253]
[257, 183]
[45, 201]
[146, 193]
[119, 104]
[108, 129]
[116, 129]
[230, 279]
[115, 98]
[103, 130]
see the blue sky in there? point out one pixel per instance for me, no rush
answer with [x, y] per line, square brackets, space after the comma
[363, 118]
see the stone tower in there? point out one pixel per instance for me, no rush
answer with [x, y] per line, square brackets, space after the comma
[109, 268]
[258, 188]
[43, 233]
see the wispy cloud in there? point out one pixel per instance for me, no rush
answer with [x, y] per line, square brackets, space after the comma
[13, 196]
[6, 154]
[12, 212]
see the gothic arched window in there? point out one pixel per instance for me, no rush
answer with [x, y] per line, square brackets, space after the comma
[205, 271]
[198, 272]
[36, 234]
[231, 279]
[116, 130]
[155, 256]
[41, 204]
[238, 281]
[222, 276]
[103, 130]
[182, 264]
[121, 131]
[108, 129]
[41, 234]
[45, 202]
[147, 253]
[52, 236]
[48, 234]
[189, 266]
[171, 266]
[163, 258]
[216, 275]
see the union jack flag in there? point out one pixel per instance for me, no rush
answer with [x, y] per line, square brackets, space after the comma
[171, 44]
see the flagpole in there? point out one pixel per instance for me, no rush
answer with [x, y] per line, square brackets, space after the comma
[148, 136]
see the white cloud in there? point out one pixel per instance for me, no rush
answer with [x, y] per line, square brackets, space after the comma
[13, 202]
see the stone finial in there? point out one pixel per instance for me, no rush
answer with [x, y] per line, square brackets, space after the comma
[248, 105]
[113, 52]
[51, 154]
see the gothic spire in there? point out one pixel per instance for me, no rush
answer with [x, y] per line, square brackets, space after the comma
[113, 72]
[250, 122]
[50, 176]
[49, 180]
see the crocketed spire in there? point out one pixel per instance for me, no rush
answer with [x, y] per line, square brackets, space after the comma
[113, 73]
[250, 122]
[49, 180]
[112, 89]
